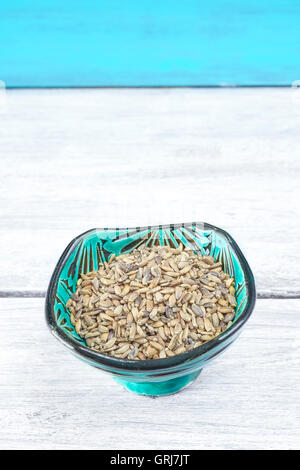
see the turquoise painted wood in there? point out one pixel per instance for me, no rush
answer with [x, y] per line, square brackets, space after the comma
[149, 42]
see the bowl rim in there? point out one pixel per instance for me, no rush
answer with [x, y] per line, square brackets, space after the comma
[148, 364]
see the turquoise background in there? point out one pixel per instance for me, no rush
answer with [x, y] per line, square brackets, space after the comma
[149, 43]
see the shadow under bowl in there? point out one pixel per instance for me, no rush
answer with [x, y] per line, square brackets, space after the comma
[153, 376]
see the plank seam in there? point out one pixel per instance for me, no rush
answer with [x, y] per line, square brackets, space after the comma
[42, 294]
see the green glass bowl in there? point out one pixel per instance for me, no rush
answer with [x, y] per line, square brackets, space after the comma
[157, 376]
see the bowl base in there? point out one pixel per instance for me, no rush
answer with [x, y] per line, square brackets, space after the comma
[158, 389]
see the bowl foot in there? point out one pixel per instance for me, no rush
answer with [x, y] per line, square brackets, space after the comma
[157, 389]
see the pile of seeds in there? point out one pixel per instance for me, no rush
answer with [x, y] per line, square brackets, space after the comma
[153, 303]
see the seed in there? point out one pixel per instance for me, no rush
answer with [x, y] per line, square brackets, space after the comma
[173, 342]
[228, 317]
[215, 320]
[156, 345]
[207, 324]
[185, 333]
[140, 331]
[185, 270]
[224, 309]
[95, 283]
[112, 257]
[177, 329]
[126, 290]
[185, 316]
[132, 297]
[118, 310]
[78, 326]
[228, 282]
[153, 313]
[198, 310]
[118, 290]
[133, 353]
[206, 337]
[208, 260]
[122, 349]
[132, 332]
[162, 334]
[232, 300]
[178, 292]
[169, 312]
[149, 305]
[158, 297]
[157, 324]
[186, 298]
[102, 328]
[169, 353]
[110, 343]
[172, 300]
[173, 265]
[180, 349]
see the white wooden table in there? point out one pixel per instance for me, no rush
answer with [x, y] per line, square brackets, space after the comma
[71, 160]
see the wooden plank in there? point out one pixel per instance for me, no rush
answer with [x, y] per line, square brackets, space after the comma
[117, 43]
[247, 399]
[72, 160]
